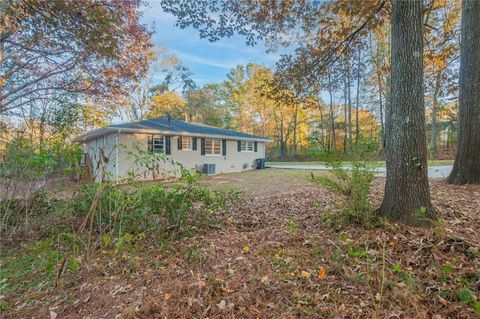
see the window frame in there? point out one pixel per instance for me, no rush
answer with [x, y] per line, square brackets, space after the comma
[244, 147]
[163, 149]
[190, 147]
[214, 141]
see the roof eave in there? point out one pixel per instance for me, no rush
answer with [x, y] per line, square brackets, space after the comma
[93, 134]
[107, 130]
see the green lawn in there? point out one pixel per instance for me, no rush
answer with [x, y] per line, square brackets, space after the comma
[369, 163]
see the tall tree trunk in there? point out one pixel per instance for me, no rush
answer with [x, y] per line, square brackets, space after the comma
[282, 143]
[345, 114]
[380, 94]
[386, 111]
[466, 169]
[41, 127]
[322, 135]
[349, 95]
[357, 124]
[3, 6]
[382, 120]
[407, 194]
[387, 93]
[295, 123]
[332, 113]
[433, 127]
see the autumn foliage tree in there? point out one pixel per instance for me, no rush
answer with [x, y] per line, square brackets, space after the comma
[167, 103]
[258, 104]
[165, 75]
[56, 50]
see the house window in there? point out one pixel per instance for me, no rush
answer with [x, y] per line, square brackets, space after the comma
[213, 147]
[158, 145]
[246, 146]
[186, 143]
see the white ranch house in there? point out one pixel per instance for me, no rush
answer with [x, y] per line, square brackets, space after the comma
[153, 149]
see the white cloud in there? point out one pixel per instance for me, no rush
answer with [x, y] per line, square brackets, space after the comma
[210, 62]
[207, 61]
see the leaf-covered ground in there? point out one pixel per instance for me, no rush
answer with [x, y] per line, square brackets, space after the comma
[274, 254]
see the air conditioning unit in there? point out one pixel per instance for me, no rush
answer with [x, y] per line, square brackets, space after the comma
[209, 169]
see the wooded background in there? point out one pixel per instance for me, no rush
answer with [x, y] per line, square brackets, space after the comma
[64, 74]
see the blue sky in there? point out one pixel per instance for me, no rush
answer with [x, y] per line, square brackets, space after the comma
[209, 62]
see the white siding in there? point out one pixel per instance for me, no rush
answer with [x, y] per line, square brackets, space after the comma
[102, 153]
[234, 161]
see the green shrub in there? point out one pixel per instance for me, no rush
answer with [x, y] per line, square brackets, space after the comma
[24, 169]
[354, 184]
[23, 161]
[11, 211]
[106, 208]
[118, 220]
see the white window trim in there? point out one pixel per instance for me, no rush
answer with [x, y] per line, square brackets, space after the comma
[191, 143]
[211, 154]
[153, 144]
[246, 150]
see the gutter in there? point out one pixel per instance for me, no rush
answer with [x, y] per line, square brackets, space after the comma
[107, 130]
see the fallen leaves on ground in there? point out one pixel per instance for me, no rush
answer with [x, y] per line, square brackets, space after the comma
[317, 271]
[322, 273]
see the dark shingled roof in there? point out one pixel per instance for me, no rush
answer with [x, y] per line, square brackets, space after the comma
[164, 124]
